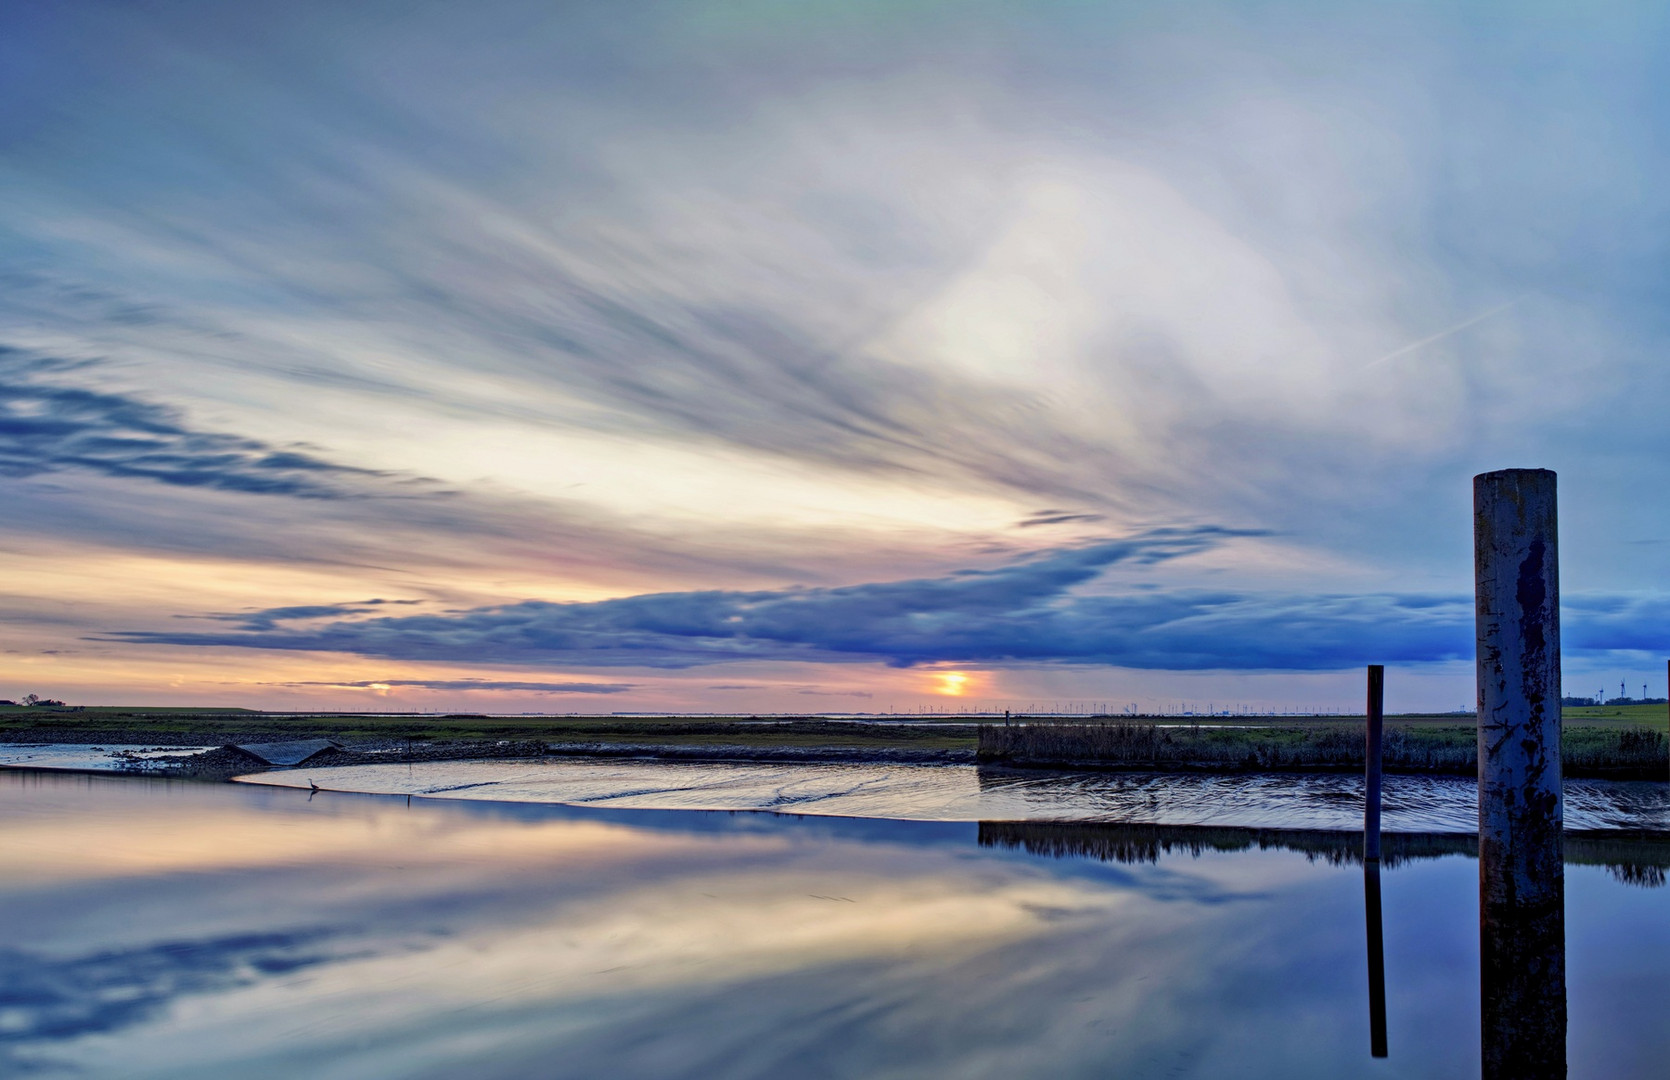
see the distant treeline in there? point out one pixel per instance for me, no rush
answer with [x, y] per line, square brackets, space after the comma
[1585, 751]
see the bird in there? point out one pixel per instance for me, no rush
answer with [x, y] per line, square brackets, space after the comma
[311, 784]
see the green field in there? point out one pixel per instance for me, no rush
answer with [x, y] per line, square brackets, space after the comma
[1653, 716]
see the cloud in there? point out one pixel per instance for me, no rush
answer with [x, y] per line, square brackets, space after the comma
[50, 427]
[1601, 624]
[903, 622]
[479, 684]
[676, 306]
[86, 465]
[810, 691]
[1022, 613]
[269, 618]
[1056, 517]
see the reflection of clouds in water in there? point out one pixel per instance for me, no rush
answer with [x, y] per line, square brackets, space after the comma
[178, 837]
[45, 998]
[770, 975]
[595, 939]
[506, 940]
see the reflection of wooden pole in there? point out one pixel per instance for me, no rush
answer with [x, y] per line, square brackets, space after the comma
[1371, 762]
[1376, 960]
[1521, 811]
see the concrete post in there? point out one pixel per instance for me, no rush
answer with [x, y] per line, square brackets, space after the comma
[1371, 761]
[1517, 579]
[1521, 809]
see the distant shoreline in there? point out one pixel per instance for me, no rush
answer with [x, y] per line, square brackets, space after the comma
[1620, 747]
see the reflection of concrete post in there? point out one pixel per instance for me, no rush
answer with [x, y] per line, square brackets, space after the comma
[1522, 983]
[1521, 813]
[1371, 761]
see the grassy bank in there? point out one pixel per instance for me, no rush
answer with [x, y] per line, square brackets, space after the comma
[1598, 742]
[1587, 749]
[385, 730]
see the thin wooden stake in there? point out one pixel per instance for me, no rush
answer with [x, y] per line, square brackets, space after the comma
[1371, 758]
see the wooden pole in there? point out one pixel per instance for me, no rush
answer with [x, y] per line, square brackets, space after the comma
[1376, 711]
[1521, 808]
[1371, 762]
[1376, 960]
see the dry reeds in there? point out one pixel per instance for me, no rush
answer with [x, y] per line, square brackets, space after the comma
[1448, 749]
[1638, 858]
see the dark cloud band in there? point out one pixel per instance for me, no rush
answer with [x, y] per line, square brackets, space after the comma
[1022, 613]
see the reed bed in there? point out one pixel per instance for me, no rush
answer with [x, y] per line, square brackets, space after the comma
[1137, 843]
[1586, 751]
[1634, 858]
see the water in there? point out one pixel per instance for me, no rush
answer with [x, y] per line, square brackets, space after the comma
[967, 793]
[153, 928]
[82, 756]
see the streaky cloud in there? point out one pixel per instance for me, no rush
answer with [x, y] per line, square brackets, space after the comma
[480, 684]
[86, 465]
[271, 617]
[51, 426]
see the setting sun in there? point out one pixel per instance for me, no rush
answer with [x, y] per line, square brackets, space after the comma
[953, 683]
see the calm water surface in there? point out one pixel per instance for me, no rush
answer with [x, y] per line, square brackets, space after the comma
[169, 929]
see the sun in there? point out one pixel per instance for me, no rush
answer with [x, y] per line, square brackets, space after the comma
[953, 683]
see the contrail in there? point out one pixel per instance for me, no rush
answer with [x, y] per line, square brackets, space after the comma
[1442, 334]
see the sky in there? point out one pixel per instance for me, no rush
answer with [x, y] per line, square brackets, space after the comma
[759, 356]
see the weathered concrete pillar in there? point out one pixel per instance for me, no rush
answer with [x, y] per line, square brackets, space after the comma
[1521, 808]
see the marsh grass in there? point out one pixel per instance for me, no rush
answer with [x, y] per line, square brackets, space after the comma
[1633, 858]
[1586, 751]
[178, 727]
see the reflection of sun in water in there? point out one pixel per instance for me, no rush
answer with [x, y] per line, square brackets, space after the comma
[953, 683]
